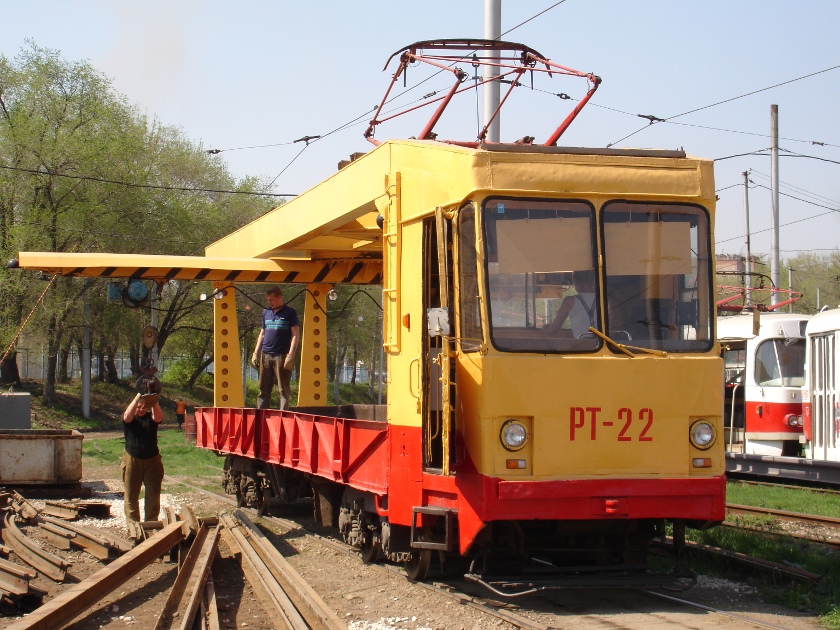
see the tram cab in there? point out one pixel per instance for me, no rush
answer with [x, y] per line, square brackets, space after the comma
[821, 403]
[764, 363]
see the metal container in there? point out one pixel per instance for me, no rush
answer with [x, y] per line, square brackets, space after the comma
[35, 457]
[15, 410]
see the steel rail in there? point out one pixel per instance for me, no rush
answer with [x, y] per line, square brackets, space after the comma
[519, 621]
[290, 615]
[31, 553]
[208, 605]
[800, 575]
[818, 540]
[784, 515]
[24, 508]
[723, 613]
[82, 537]
[14, 579]
[79, 597]
[66, 511]
[58, 537]
[183, 600]
[289, 578]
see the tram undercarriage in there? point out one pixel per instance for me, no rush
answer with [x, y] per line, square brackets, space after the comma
[510, 558]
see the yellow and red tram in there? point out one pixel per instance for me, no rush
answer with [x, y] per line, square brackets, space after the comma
[510, 438]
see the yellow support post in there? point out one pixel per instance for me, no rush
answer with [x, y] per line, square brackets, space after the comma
[312, 378]
[227, 381]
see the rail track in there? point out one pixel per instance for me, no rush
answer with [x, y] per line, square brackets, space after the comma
[513, 613]
[830, 526]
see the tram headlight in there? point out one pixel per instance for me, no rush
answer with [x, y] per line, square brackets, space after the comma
[513, 435]
[793, 421]
[702, 434]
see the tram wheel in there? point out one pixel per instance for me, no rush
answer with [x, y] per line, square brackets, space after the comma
[371, 550]
[418, 565]
[240, 498]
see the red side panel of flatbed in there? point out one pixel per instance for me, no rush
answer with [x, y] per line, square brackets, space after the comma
[349, 451]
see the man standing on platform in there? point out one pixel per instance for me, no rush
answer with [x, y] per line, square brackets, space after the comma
[278, 340]
[141, 463]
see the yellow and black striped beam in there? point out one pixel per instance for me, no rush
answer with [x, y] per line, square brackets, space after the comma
[162, 268]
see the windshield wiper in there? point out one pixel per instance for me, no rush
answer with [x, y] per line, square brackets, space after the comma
[627, 349]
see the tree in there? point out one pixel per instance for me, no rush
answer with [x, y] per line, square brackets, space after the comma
[816, 276]
[65, 137]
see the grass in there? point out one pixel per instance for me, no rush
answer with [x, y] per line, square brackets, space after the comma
[180, 459]
[823, 597]
[803, 500]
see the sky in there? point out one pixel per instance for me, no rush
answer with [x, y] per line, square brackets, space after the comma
[252, 73]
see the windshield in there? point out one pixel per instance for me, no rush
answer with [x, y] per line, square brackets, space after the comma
[780, 363]
[658, 275]
[541, 274]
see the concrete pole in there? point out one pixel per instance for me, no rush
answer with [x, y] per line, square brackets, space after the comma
[154, 351]
[747, 259]
[790, 286]
[774, 194]
[492, 92]
[86, 355]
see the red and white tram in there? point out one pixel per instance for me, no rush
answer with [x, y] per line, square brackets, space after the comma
[764, 361]
[820, 394]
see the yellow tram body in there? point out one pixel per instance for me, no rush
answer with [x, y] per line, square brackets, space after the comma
[495, 412]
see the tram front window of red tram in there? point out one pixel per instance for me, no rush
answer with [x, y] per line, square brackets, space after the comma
[780, 363]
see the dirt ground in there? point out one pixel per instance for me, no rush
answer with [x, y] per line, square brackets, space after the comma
[366, 597]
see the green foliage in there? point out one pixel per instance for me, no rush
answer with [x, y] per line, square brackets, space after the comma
[812, 272]
[180, 372]
[63, 131]
[831, 619]
[354, 395]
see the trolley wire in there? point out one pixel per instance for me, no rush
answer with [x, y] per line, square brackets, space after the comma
[798, 189]
[728, 100]
[105, 180]
[819, 143]
[816, 216]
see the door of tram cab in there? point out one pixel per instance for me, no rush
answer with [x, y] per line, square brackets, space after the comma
[438, 368]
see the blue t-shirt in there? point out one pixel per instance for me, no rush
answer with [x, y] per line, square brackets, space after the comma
[278, 329]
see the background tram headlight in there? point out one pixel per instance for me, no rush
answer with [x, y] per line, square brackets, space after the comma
[702, 434]
[793, 421]
[513, 435]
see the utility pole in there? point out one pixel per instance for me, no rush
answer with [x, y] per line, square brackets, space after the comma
[790, 286]
[774, 194]
[492, 90]
[747, 260]
[153, 351]
[86, 354]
